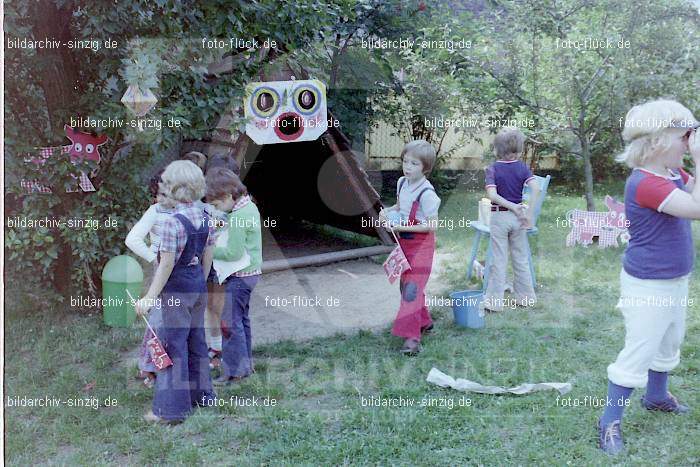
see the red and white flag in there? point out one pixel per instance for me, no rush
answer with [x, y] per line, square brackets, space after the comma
[396, 264]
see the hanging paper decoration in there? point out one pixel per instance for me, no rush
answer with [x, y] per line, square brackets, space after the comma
[607, 226]
[285, 111]
[84, 146]
[138, 101]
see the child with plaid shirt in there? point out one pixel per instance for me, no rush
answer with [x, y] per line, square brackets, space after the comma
[178, 293]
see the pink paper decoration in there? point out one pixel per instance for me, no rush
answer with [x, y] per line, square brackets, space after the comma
[607, 226]
[83, 146]
[396, 264]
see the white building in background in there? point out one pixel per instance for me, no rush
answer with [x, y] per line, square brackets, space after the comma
[383, 145]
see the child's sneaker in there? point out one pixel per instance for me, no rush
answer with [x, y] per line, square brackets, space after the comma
[411, 347]
[214, 359]
[148, 378]
[670, 404]
[610, 437]
[150, 417]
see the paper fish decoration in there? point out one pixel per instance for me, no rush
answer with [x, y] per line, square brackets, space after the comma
[84, 145]
[31, 186]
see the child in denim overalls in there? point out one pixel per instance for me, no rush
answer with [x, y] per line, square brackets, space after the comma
[178, 292]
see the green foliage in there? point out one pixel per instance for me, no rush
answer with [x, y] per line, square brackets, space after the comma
[155, 49]
[513, 70]
[577, 95]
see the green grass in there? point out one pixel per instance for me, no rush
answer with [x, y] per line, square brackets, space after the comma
[571, 335]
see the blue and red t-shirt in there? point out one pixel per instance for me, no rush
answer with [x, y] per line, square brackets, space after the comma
[661, 245]
[509, 178]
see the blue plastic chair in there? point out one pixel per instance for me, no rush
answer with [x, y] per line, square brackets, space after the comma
[483, 230]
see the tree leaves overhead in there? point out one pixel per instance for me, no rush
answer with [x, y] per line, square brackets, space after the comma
[523, 63]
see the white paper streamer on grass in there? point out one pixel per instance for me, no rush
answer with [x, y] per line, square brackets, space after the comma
[446, 381]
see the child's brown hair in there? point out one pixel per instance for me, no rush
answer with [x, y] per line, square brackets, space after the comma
[423, 151]
[509, 143]
[222, 181]
[196, 157]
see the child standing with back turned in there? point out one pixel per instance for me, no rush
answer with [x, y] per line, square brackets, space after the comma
[510, 220]
[178, 293]
[417, 203]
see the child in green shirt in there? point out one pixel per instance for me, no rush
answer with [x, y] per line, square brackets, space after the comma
[226, 192]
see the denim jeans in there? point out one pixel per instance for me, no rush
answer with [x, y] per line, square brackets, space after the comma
[187, 383]
[237, 351]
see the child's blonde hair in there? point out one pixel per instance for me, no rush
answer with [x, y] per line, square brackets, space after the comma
[650, 129]
[509, 143]
[183, 181]
[423, 151]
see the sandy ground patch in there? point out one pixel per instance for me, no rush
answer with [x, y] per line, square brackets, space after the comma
[342, 297]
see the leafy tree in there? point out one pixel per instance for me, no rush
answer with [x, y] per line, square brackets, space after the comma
[156, 45]
[576, 92]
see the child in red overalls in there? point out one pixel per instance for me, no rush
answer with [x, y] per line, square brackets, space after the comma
[417, 205]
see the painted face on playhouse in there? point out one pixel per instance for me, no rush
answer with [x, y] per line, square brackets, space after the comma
[285, 111]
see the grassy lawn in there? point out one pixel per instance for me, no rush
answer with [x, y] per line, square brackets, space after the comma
[571, 335]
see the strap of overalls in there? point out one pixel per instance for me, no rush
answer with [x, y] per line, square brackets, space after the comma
[416, 205]
[190, 250]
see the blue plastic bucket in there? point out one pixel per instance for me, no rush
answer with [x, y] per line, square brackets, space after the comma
[465, 306]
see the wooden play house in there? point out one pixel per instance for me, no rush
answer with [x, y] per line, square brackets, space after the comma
[319, 181]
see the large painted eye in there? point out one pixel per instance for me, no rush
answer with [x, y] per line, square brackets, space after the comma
[264, 102]
[77, 147]
[307, 99]
[89, 148]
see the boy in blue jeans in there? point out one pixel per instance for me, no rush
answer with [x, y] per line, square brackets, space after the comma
[510, 220]
[227, 193]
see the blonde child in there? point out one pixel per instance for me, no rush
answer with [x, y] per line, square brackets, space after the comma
[417, 206]
[505, 180]
[216, 293]
[178, 292]
[660, 200]
[226, 192]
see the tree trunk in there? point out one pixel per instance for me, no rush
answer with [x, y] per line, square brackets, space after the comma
[59, 76]
[587, 172]
[59, 81]
[334, 62]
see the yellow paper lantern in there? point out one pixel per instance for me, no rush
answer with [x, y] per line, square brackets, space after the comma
[138, 101]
